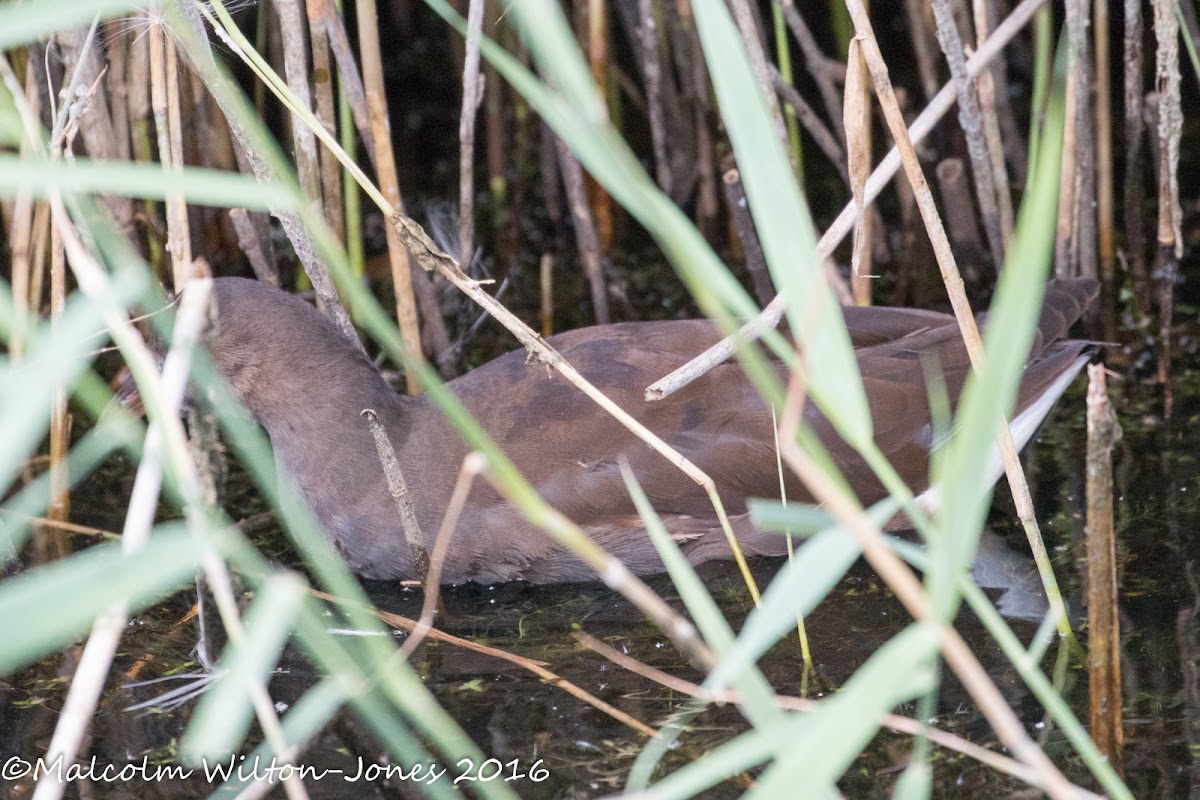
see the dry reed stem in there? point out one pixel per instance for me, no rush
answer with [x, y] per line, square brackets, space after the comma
[472, 96]
[295, 71]
[162, 128]
[743, 223]
[825, 71]
[856, 119]
[962, 222]
[349, 78]
[908, 590]
[997, 116]
[326, 113]
[919, 21]
[398, 488]
[958, 300]
[202, 60]
[1065, 242]
[178, 227]
[894, 722]
[1133, 195]
[402, 278]
[255, 245]
[50, 543]
[1170, 214]
[1106, 217]
[473, 464]
[652, 77]
[887, 168]
[970, 120]
[586, 238]
[812, 122]
[1104, 627]
[1085, 138]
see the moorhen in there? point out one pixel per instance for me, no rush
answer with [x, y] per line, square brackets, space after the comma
[307, 385]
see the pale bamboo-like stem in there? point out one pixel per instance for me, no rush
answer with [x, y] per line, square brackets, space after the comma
[402, 279]
[958, 300]
[21, 234]
[1066, 232]
[472, 95]
[887, 168]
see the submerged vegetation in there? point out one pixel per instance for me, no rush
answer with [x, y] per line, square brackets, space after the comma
[127, 131]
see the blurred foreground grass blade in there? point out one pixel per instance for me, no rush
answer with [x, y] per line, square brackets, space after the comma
[812, 750]
[51, 359]
[989, 396]
[757, 695]
[800, 585]
[822, 745]
[24, 22]
[784, 226]
[223, 716]
[208, 187]
[47, 608]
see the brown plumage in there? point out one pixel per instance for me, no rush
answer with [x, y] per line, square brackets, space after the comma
[307, 385]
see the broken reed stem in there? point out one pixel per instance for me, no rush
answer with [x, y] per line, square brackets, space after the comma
[472, 95]
[325, 112]
[586, 239]
[398, 488]
[178, 224]
[473, 464]
[887, 168]
[857, 121]
[1133, 194]
[1104, 630]
[970, 119]
[756, 262]
[962, 223]
[1104, 168]
[546, 269]
[432, 259]
[893, 722]
[958, 300]
[1170, 214]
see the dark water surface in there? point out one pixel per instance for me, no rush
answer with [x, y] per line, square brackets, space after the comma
[516, 716]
